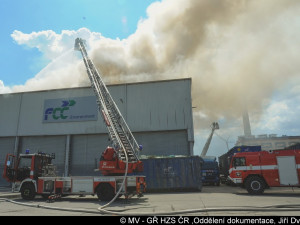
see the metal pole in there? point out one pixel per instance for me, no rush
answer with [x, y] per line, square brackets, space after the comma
[67, 157]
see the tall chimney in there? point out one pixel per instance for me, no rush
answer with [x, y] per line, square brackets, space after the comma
[246, 122]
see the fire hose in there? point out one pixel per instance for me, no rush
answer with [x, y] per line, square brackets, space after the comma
[270, 208]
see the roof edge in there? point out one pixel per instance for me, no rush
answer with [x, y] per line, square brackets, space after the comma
[117, 84]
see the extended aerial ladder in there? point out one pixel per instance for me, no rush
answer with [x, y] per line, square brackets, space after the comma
[124, 145]
[214, 127]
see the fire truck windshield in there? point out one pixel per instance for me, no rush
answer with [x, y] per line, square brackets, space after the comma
[239, 161]
[25, 162]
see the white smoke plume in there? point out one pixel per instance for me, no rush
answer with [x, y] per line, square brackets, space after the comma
[3, 88]
[235, 51]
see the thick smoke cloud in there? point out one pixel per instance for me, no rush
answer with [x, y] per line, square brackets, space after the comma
[236, 52]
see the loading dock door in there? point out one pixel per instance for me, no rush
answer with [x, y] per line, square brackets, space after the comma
[287, 170]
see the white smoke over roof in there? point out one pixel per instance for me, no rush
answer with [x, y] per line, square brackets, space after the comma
[235, 51]
[3, 88]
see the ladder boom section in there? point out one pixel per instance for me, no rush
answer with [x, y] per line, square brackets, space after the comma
[121, 136]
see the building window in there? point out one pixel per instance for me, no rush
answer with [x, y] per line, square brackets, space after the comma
[293, 143]
[266, 146]
[280, 145]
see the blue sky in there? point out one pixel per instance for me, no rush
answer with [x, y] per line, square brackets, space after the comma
[232, 52]
[110, 18]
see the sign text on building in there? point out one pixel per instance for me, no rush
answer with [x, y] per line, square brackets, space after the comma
[70, 109]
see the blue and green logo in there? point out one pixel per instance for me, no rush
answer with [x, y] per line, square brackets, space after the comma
[59, 112]
[70, 109]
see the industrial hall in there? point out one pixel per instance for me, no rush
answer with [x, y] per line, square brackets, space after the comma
[67, 122]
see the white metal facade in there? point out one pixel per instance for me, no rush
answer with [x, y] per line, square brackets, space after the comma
[268, 142]
[158, 113]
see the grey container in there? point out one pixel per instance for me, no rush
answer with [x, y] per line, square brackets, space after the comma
[173, 174]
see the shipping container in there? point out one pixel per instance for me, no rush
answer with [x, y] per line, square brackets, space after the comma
[173, 174]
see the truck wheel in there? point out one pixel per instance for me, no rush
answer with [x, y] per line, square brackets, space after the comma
[255, 185]
[105, 192]
[28, 191]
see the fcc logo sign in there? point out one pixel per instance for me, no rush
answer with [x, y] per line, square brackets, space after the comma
[70, 110]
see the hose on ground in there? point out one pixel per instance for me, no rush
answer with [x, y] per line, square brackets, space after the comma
[101, 208]
[270, 208]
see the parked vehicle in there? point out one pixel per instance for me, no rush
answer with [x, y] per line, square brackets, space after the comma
[257, 171]
[34, 174]
[225, 159]
[210, 171]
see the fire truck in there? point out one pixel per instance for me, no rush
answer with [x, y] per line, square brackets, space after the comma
[257, 171]
[33, 174]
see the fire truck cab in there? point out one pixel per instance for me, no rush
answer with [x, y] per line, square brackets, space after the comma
[25, 171]
[257, 171]
[34, 174]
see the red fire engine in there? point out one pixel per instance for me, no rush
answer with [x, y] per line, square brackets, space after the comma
[33, 174]
[257, 171]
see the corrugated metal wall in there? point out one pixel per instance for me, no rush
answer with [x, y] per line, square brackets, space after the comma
[146, 107]
[86, 150]
[163, 143]
[46, 144]
[6, 146]
[85, 153]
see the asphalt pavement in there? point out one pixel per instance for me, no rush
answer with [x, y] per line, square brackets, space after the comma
[209, 202]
